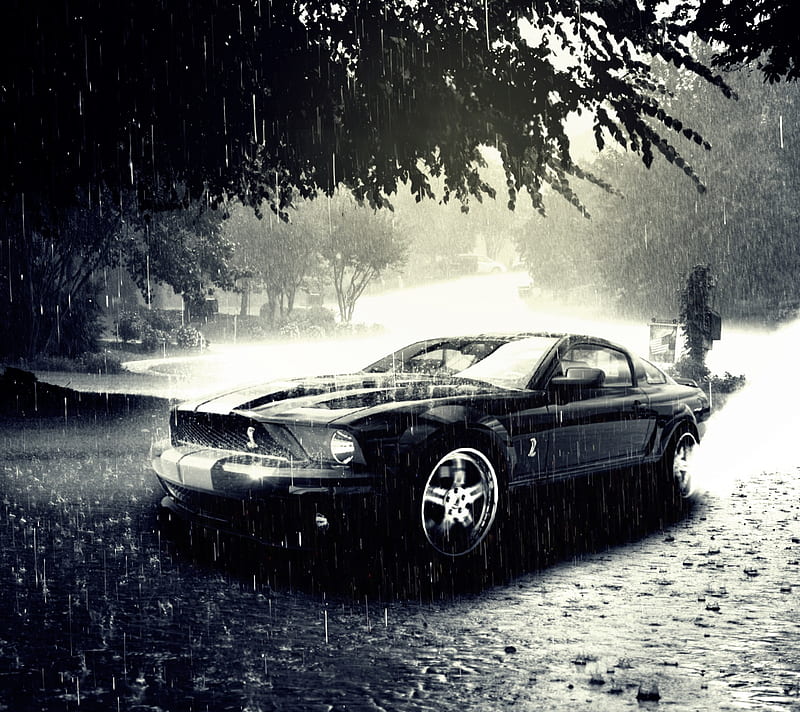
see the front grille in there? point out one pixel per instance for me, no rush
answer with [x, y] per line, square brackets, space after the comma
[234, 432]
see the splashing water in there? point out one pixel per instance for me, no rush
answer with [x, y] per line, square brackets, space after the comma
[758, 428]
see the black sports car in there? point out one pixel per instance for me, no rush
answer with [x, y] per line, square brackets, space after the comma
[433, 442]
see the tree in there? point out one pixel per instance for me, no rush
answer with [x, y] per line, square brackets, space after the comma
[435, 233]
[273, 255]
[55, 258]
[697, 298]
[50, 275]
[160, 105]
[182, 248]
[746, 32]
[358, 245]
[745, 226]
[274, 101]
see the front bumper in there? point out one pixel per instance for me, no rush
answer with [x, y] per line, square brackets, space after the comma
[281, 504]
[232, 474]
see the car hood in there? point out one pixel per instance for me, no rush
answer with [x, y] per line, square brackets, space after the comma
[324, 399]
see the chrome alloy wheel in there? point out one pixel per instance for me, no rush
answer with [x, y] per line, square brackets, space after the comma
[459, 502]
[681, 462]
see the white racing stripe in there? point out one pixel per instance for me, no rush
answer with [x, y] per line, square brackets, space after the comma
[166, 464]
[195, 470]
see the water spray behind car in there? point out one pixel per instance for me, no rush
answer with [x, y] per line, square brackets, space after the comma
[757, 429]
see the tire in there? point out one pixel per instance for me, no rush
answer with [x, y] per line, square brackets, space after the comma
[457, 503]
[675, 469]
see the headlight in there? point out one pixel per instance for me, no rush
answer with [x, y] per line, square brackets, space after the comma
[343, 446]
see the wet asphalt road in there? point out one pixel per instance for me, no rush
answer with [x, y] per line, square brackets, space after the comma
[105, 610]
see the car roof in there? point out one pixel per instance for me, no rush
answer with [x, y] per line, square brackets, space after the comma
[559, 337]
[513, 335]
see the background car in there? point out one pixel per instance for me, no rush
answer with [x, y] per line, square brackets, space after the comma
[470, 263]
[433, 445]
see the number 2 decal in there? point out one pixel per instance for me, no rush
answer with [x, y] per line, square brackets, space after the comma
[532, 451]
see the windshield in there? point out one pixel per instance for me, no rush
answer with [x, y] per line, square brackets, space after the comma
[512, 365]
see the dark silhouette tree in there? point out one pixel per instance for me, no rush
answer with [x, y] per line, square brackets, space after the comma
[697, 299]
[51, 276]
[268, 100]
[746, 32]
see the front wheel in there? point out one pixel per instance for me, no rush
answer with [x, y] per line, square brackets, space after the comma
[458, 506]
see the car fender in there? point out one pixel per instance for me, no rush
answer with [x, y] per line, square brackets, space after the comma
[454, 422]
[683, 419]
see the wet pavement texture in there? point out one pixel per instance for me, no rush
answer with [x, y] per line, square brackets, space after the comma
[104, 609]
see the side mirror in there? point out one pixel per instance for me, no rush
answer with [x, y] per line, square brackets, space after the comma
[579, 377]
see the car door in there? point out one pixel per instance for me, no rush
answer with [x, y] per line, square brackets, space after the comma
[602, 426]
[529, 424]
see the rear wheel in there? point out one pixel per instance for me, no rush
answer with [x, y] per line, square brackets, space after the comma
[679, 463]
[459, 501]
[676, 488]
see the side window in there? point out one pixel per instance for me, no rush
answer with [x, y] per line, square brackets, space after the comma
[612, 362]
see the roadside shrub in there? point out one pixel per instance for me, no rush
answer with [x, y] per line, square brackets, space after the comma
[44, 362]
[188, 337]
[129, 326]
[103, 362]
[152, 338]
[319, 318]
[352, 328]
[141, 323]
[727, 383]
[313, 322]
[162, 319]
[289, 329]
[250, 328]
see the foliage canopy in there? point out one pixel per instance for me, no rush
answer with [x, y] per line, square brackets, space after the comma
[267, 100]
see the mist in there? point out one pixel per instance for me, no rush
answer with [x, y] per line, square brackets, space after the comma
[756, 431]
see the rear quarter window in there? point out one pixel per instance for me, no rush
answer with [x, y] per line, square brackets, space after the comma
[653, 375]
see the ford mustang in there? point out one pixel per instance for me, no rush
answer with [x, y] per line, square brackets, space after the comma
[432, 443]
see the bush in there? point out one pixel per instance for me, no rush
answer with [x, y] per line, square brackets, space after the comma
[139, 324]
[727, 383]
[129, 326]
[289, 329]
[187, 337]
[162, 319]
[152, 338]
[250, 328]
[320, 317]
[353, 329]
[314, 322]
[103, 362]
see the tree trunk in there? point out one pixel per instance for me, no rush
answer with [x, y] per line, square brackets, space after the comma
[244, 306]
